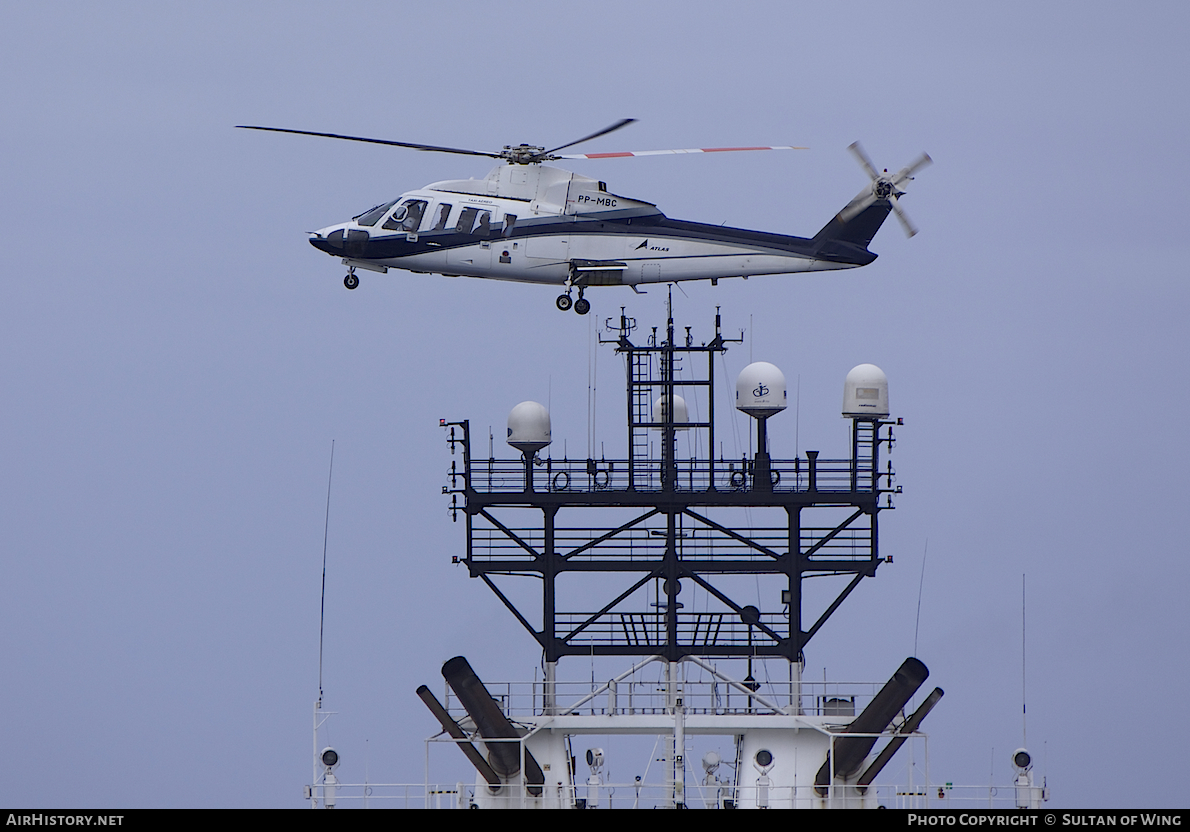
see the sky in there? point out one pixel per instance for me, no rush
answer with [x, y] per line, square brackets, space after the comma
[176, 361]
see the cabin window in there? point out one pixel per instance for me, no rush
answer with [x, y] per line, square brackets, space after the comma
[483, 224]
[442, 214]
[407, 217]
[474, 221]
[509, 222]
[370, 216]
[466, 220]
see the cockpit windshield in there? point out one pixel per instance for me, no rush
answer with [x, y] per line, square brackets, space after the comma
[407, 217]
[370, 216]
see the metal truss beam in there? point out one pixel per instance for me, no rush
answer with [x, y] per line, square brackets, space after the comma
[607, 608]
[511, 608]
[832, 534]
[610, 534]
[809, 634]
[510, 534]
[704, 567]
[734, 606]
[732, 534]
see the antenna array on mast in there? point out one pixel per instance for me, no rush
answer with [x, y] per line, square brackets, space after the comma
[666, 523]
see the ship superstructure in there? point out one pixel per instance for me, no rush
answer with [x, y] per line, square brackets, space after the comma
[678, 564]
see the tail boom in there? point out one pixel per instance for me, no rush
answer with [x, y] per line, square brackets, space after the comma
[848, 240]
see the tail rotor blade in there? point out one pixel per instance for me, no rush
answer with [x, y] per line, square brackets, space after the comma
[906, 223]
[857, 151]
[857, 206]
[906, 173]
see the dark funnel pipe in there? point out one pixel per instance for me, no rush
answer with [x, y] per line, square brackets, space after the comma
[896, 742]
[505, 757]
[851, 751]
[451, 727]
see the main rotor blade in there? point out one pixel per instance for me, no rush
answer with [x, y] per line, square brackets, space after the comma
[857, 150]
[624, 122]
[429, 147]
[671, 152]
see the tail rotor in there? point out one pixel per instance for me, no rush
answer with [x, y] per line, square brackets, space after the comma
[885, 186]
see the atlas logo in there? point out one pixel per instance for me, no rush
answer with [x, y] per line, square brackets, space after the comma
[645, 245]
[761, 391]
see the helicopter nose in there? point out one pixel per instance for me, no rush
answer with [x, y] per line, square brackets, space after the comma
[341, 242]
[321, 241]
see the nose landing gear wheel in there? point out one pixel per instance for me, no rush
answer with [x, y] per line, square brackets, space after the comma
[351, 281]
[564, 302]
[582, 306]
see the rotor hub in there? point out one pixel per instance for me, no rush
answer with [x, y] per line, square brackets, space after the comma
[523, 154]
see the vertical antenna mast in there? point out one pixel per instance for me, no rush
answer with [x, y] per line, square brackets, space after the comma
[921, 583]
[325, 534]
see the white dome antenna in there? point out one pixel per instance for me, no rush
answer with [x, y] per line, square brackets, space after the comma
[681, 413]
[760, 392]
[529, 432]
[529, 427]
[865, 393]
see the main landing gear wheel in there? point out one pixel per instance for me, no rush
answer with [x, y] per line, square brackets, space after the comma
[351, 281]
[582, 306]
[564, 302]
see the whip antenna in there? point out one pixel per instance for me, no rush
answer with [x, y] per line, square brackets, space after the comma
[325, 534]
[921, 583]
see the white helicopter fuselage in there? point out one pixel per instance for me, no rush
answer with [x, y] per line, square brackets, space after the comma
[539, 224]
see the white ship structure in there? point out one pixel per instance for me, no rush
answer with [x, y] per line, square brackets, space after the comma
[662, 528]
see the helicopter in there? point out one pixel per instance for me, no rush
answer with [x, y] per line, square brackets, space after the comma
[533, 223]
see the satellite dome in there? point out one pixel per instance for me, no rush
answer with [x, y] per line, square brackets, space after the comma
[865, 392]
[680, 411]
[529, 427]
[760, 390]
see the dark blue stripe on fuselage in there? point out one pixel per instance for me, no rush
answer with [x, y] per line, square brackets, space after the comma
[650, 225]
